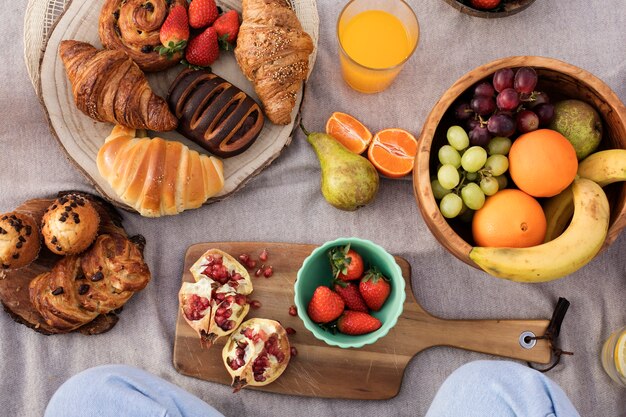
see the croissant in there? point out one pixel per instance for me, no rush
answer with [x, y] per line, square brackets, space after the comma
[273, 52]
[155, 176]
[109, 87]
[133, 26]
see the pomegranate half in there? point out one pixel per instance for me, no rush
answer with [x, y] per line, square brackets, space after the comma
[216, 303]
[257, 353]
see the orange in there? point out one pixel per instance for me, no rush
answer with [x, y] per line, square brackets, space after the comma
[349, 131]
[542, 163]
[509, 219]
[392, 152]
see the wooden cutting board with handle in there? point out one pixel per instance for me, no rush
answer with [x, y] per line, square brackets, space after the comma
[319, 370]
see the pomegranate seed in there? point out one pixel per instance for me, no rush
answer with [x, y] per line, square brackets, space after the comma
[293, 311]
[255, 304]
[251, 263]
[294, 351]
[244, 257]
[269, 271]
[290, 330]
[259, 271]
[263, 255]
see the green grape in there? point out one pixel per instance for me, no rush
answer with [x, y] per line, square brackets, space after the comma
[502, 182]
[457, 137]
[448, 176]
[449, 155]
[472, 196]
[497, 164]
[471, 176]
[499, 146]
[438, 190]
[489, 185]
[450, 205]
[473, 159]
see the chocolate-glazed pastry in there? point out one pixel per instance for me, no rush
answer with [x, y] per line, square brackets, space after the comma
[214, 113]
[19, 240]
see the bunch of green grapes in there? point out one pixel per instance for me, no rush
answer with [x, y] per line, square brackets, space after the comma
[469, 173]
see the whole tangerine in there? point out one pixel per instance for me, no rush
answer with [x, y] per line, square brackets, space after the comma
[509, 219]
[542, 163]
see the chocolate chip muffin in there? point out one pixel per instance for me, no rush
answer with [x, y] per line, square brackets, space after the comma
[19, 240]
[70, 225]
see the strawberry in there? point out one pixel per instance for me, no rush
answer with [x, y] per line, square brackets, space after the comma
[325, 305]
[357, 322]
[227, 28]
[174, 32]
[203, 50]
[349, 291]
[202, 13]
[347, 265]
[374, 288]
[485, 4]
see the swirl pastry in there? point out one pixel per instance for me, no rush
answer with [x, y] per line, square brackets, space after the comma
[78, 289]
[273, 52]
[214, 113]
[109, 87]
[133, 26]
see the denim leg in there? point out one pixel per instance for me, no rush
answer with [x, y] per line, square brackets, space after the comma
[500, 388]
[124, 391]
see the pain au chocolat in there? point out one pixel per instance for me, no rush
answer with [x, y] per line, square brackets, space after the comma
[214, 113]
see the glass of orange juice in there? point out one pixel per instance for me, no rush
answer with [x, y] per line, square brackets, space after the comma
[376, 38]
[614, 356]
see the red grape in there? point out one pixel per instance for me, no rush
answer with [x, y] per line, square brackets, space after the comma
[483, 105]
[525, 80]
[484, 89]
[463, 111]
[472, 123]
[508, 99]
[479, 136]
[545, 113]
[527, 121]
[503, 78]
[537, 98]
[501, 125]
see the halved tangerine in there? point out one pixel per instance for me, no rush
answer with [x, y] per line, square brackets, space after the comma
[349, 131]
[392, 152]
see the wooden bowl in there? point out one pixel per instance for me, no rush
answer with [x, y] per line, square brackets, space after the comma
[509, 8]
[560, 80]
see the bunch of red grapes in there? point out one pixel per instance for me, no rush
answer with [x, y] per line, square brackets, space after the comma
[507, 105]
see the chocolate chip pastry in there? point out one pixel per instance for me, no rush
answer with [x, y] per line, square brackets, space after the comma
[79, 288]
[214, 113]
[19, 240]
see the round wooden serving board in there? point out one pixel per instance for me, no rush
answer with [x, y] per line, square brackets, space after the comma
[372, 372]
[81, 137]
[14, 283]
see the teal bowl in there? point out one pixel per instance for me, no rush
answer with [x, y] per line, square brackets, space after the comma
[316, 271]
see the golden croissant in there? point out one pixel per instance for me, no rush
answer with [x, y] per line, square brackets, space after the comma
[109, 87]
[155, 176]
[273, 52]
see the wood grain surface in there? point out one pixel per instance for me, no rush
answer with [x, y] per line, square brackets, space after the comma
[81, 137]
[14, 283]
[319, 370]
[560, 80]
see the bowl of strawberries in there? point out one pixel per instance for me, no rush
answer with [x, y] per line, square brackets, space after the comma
[490, 8]
[349, 292]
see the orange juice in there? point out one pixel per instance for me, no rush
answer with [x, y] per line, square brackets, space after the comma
[614, 356]
[374, 44]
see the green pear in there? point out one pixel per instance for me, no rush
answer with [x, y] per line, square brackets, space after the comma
[349, 181]
[580, 124]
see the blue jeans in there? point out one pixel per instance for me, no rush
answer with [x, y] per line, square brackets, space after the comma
[482, 388]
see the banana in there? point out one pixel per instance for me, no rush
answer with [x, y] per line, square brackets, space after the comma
[574, 248]
[604, 167]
